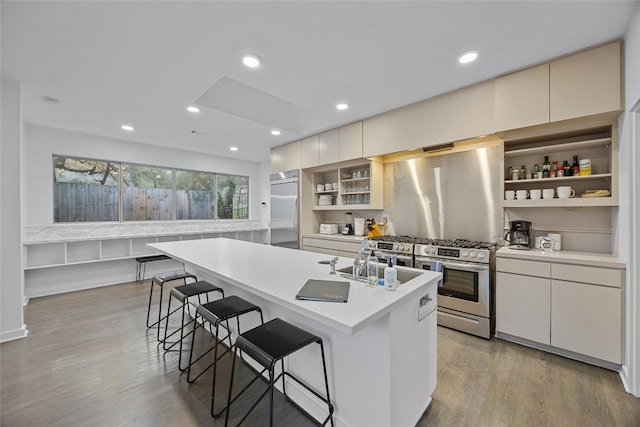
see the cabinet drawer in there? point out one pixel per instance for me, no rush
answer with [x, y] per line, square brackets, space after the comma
[320, 243]
[528, 268]
[582, 274]
[350, 246]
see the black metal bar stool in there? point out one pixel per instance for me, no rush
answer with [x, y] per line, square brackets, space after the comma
[267, 344]
[160, 280]
[215, 313]
[182, 294]
[141, 265]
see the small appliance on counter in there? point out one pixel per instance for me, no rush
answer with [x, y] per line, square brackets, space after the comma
[519, 235]
[373, 228]
[328, 228]
[348, 227]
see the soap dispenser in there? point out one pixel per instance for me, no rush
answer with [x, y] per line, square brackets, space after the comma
[390, 277]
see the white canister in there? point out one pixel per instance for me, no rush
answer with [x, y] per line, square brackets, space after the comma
[557, 240]
[358, 226]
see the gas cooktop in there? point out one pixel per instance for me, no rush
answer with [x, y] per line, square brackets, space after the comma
[452, 243]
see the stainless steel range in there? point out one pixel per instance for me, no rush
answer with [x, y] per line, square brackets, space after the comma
[466, 297]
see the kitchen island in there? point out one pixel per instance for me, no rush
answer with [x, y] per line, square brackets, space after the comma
[381, 358]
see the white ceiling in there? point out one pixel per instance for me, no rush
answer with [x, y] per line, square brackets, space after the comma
[143, 62]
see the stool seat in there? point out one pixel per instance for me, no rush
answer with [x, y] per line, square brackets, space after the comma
[274, 340]
[172, 275]
[159, 280]
[225, 308]
[141, 265]
[185, 291]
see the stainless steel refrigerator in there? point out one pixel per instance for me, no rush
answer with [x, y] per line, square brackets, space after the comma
[284, 209]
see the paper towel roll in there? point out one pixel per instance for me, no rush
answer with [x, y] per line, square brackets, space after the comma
[358, 226]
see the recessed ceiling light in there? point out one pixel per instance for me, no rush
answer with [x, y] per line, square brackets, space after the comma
[128, 128]
[251, 60]
[468, 57]
[193, 109]
[233, 148]
[275, 132]
[342, 106]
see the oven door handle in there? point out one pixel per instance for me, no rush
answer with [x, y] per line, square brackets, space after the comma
[468, 267]
[455, 265]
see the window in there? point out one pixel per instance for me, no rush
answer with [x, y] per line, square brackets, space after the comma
[100, 190]
[233, 197]
[194, 195]
[85, 190]
[147, 193]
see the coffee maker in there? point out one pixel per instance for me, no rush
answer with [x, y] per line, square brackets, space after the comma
[520, 235]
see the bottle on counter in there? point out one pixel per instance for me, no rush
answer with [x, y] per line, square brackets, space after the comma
[567, 168]
[372, 269]
[390, 277]
[546, 168]
[356, 267]
[575, 167]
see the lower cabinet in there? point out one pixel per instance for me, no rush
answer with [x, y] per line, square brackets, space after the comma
[523, 306]
[587, 319]
[567, 307]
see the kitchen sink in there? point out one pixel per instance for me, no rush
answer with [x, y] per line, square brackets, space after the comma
[403, 275]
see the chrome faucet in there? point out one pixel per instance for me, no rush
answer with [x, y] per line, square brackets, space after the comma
[332, 263]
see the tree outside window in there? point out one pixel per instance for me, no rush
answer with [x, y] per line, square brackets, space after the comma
[233, 197]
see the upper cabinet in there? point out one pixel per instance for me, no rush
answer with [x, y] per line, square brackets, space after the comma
[350, 142]
[522, 98]
[587, 83]
[285, 157]
[328, 147]
[579, 85]
[462, 114]
[309, 150]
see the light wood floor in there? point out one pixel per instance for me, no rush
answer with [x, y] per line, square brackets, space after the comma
[89, 361]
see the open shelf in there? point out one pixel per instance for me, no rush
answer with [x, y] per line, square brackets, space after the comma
[550, 181]
[558, 148]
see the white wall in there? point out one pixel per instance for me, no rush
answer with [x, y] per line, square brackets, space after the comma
[628, 231]
[42, 142]
[11, 277]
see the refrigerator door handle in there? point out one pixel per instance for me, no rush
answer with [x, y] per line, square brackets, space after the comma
[295, 213]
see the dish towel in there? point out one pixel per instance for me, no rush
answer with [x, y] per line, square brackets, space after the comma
[438, 267]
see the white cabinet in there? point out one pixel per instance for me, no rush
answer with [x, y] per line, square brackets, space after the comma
[587, 319]
[329, 147]
[587, 83]
[461, 114]
[523, 306]
[563, 307]
[351, 142]
[285, 157]
[309, 152]
[580, 85]
[522, 98]
[359, 186]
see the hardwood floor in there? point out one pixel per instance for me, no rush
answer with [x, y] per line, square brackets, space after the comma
[90, 361]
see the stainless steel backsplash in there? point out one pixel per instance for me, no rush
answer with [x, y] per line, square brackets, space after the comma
[447, 196]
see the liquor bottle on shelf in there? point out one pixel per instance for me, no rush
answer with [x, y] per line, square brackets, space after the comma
[567, 168]
[554, 169]
[575, 167]
[546, 167]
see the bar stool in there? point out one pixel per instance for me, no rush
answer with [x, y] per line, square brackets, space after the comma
[267, 344]
[215, 313]
[160, 280]
[182, 294]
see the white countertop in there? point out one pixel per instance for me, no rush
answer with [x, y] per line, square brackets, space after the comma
[277, 274]
[589, 259]
[37, 234]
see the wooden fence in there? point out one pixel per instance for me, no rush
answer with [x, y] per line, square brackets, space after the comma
[87, 202]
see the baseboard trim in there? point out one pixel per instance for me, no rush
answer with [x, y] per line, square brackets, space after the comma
[14, 335]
